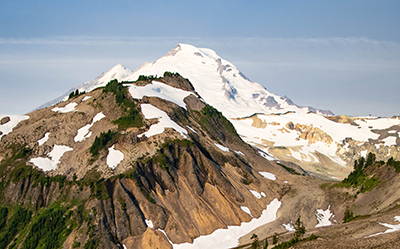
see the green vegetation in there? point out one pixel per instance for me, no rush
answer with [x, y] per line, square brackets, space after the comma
[75, 93]
[15, 219]
[358, 178]
[147, 77]
[211, 119]
[170, 74]
[292, 242]
[102, 141]
[131, 117]
[395, 164]
[290, 170]
[348, 216]
[49, 228]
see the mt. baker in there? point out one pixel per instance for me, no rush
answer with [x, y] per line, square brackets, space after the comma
[314, 139]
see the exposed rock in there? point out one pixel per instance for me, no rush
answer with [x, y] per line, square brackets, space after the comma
[4, 120]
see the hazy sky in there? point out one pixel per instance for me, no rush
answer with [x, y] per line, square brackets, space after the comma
[341, 55]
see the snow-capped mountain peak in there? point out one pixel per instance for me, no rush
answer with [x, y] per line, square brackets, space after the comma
[217, 80]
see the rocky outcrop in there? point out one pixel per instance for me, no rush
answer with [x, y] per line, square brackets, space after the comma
[4, 120]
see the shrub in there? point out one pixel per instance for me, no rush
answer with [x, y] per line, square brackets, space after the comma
[131, 117]
[147, 77]
[75, 93]
[348, 216]
[102, 141]
[170, 74]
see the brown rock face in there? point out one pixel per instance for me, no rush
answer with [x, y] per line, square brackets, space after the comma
[4, 120]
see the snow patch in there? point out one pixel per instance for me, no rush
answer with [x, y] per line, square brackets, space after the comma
[390, 141]
[228, 238]
[266, 156]
[239, 152]
[86, 98]
[84, 132]
[114, 157]
[289, 227]
[10, 125]
[149, 223]
[257, 194]
[392, 228]
[160, 90]
[221, 147]
[193, 130]
[164, 121]
[51, 162]
[246, 210]
[323, 217]
[68, 108]
[268, 175]
[44, 139]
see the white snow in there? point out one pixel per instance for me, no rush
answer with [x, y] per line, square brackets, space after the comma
[53, 158]
[84, 132]
[266, 156]
[257, 194]
[221, 147]
[246, 210]
[86, 98]
[268, 175]
[10, 125]
[44, 139]
[124, 246]
[114, 157]
[239, 152]
[193, 130]
[149, 223]
[228, 238]
[323, 217]
[392, 228]
[390, 141]
[289, 227]
[218, 81]
[160, 90]
[164, 121]
[364, 153]
[68, 108]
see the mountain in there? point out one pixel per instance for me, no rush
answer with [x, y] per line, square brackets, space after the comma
[146, 161]
[314, 139]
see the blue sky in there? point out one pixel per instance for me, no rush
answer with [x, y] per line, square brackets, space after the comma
[341, 55]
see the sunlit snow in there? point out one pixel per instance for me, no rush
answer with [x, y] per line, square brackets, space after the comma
[228, 238]
[268, 175]
[44, 139]
[221, 147]
[51, 162]
[84, 132]
[160, 90]
[246, 210]
[323, 217]
[149, 223]
[392, 228]
[86, 98]
[164, 121]
[257, 194]
[289, 227]
[10, 125]
[114, 157]
[68, 108]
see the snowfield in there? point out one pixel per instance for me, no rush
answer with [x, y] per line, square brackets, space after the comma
[44, 139]
[51, 162]
[228, 238]
[160, 90]
[86, 98]
[164, 121]
[68, 108]
[114, 157]
[10, 125]
[149, 223]
[84, 132]
[323, 217]
[268, 175]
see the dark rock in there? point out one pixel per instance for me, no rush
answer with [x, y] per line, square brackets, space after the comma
[4, 120]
